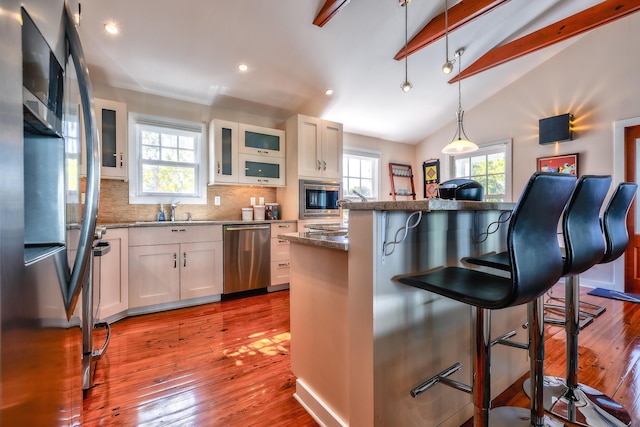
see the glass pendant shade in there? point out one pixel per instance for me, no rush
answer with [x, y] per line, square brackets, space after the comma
[460, 143]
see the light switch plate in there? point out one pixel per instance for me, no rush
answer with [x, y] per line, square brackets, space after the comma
[216, 200]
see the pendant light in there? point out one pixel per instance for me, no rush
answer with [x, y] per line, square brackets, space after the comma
[460, 143]
[447, 68]
[405, 86]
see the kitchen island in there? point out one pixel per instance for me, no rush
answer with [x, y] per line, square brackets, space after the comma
[360, 340]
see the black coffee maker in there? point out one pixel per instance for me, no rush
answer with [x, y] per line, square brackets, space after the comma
[461, 189]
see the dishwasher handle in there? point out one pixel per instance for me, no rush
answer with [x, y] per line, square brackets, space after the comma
[245, 228]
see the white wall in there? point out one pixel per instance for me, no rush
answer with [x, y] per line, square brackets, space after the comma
[389, 152]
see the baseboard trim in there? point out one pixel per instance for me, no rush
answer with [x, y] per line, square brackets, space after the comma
[316, 407]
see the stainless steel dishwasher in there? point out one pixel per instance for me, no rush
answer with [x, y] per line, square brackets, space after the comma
[247, 257]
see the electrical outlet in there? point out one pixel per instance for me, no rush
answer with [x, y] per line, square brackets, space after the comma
[216, 200]
[253, 201]
[261, 200]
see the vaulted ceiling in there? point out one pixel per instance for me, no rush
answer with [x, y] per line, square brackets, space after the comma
[296, 49]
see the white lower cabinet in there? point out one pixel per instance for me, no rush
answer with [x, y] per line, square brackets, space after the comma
[174, 263]
[154, 275]
[201, 269]
[280, 267]
[113, 271]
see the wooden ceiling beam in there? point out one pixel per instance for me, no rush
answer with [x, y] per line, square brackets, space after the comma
[460, 14]
[600, 14]
[328, 11]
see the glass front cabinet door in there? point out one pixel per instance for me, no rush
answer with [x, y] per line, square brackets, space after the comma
[111, 118]
[261, 141]
[262, 170]
[223, 152]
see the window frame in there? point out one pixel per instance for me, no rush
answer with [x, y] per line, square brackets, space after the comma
[137, 121]
[487, 149]
[366, 154]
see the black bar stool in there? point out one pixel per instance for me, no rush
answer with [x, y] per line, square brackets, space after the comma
[566, 398]
[535, 266]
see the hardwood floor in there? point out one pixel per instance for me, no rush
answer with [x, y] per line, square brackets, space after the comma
[227, 364]
[220, 364]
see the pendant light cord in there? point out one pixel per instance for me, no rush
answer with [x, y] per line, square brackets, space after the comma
[459, 85]
[446, 30]
[406, 41]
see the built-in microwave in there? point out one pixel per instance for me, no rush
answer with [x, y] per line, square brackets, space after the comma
[319, 199]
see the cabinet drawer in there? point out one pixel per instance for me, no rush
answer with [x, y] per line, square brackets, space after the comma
[283, 228]
[174, 233]
[279, 249]
[280, 272]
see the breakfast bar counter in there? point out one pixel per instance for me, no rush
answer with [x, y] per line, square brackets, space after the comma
[360, 340]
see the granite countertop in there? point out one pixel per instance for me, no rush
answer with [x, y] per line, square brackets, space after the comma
[326, 239]
[334, 226]
[429, 205]
[194, 222]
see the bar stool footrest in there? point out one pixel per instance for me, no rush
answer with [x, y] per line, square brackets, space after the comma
[441, 377]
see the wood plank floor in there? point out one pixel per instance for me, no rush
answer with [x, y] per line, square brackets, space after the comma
[227, 364]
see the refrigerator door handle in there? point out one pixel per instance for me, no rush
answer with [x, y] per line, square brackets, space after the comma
[81, 267]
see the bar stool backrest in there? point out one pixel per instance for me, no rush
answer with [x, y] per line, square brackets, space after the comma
[532, 241]
[614, 221]
[583, 240]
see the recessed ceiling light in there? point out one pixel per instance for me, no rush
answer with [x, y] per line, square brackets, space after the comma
[243, 67]
[111, 27]
[328, 92]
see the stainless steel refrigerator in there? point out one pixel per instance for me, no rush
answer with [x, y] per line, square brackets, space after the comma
[46, 233]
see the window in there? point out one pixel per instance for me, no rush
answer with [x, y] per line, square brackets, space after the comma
[360, 173]
[169, 161]
[72, 153]
[490, 166]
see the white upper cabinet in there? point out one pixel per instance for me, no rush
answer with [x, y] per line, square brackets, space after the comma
[261, 141]
[223, 152]
[246, 154]
[331, 149]
[111, 118]
[319, 147]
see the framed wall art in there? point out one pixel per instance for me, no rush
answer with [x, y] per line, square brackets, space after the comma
[431, 171]
[567, 163]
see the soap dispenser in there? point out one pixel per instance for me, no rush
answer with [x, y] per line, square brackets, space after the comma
[161, 213]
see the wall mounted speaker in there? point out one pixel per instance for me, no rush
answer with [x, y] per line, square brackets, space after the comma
[555, 129]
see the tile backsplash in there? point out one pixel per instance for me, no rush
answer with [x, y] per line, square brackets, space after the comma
[114, 204]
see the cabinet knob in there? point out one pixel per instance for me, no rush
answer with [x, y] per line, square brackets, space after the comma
[175, 260]
[184, 258]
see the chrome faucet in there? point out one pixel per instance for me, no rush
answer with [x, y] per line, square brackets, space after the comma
[174, 205]
[362, 198]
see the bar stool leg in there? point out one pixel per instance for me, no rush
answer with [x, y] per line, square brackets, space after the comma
[507, 416]
[481, 365]
[567, 398]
